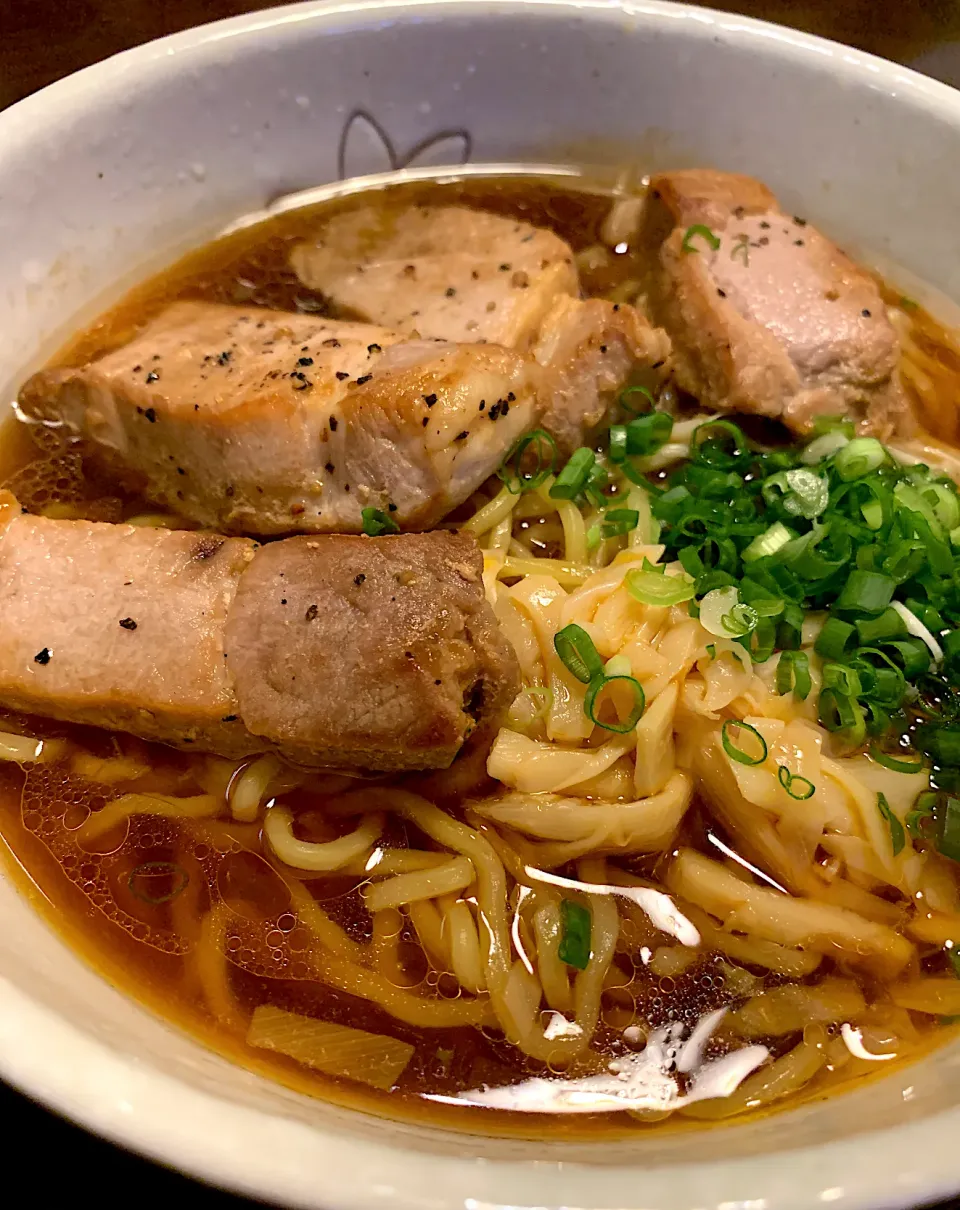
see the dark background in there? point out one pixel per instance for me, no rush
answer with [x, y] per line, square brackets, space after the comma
[42, 40]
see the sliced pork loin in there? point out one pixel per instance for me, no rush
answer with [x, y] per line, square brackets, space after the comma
[338, 651]
[439, 271]
[256, 421]
[380, 652]
[454, 273]
[589, 350]
[765, 314]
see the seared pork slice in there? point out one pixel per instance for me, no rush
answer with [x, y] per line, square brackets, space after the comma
[440, 271]
[343, 652]
[380, 653]
[590, 350]
[265, 422]
[452, 273]
[121, 627]
[766, 315]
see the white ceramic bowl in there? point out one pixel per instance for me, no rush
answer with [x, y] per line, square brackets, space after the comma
[114, 171]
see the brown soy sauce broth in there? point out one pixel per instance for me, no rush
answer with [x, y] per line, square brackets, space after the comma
[132, 901]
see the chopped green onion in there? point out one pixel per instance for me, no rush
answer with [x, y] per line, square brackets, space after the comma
[953, 957]
[617, 449]
[891, 762]
[833, 424]
[793, 672]
[866, 592]
[912, 654]
[577, 653]
[942, 497]
[800, 492]
[842, 714]
[941, 743]
[743, 742]
[376, 523]
[575, 926]
[842, 678]
[647, 434]
[619, 521]
[157, 882]
[872, 512]
[897, 836]
[887, 625]
[704, 233]
[767, 543]
[573, 478]
[653, 588]
[800, 788]
[919, 630]
[859, 457]
[597, 480]
[594, 537]
[723, 614]
[597, 686]
[832, 641]
[644, 392]
[823, 447]
[706, 444]
[921, 815]
[948, 842]
[516, 476]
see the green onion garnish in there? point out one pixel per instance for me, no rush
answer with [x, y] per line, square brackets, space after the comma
[843, 714]
[518, 474]
[710, 441]
[767, 543]
[887, 625]
[704, 233]
[575, 924]
[921, 816]
[843, 678]
[833, 639]
[573, 478]
[376, 523]
[647, 434]
[891, 762]
[644, 393]
[619, 521]
[800, 788]
[577, 653]
[743, 743]
[799, 492]
[793, 672]
[866, 592]
[598, 685]
[897, 835]
[652, 588]
[157, 882]
[948, 842]
[859, 457]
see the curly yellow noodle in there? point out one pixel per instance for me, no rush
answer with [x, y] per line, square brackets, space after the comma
[460, 934]
[325, 857]
[385, 935]
[211, 966]
[118, 810]
[453, 875]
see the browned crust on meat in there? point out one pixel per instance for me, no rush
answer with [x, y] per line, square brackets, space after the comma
[408, 650]
[731, 361]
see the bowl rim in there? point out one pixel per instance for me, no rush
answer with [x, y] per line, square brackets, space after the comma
[142, 1107]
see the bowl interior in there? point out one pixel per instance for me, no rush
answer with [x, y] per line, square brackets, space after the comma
[112, 173]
